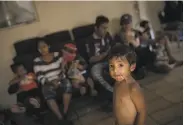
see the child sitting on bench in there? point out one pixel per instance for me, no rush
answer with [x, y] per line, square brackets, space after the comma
[24, 85]
[29, 98]
[75, 67]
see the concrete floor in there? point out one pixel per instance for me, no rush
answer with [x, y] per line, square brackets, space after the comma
[164, 98]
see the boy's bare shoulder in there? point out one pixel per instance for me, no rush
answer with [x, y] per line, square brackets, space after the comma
[134, 86]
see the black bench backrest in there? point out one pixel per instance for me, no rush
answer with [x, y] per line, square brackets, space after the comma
[58, 39]
[80, 34]
[28, 46]
[26, 50]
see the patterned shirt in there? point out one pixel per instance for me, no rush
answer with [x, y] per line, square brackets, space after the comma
[48, 71]
[95, 45]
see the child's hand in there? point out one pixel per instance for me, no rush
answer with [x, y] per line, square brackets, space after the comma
[15, 80]
[76, 63]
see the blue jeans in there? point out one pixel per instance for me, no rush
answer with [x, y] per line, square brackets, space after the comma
[49, 92]
[96, 72]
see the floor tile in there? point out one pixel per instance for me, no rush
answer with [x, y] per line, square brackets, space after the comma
[157, 104]
[173, 77]
[176, 122]
[156, 85]
[93, 117]
[150, 95]
[107, 121]
[150, 121]
[150, 78]
[169, 114]
[175, 97]
[165, 89]
[176, 82]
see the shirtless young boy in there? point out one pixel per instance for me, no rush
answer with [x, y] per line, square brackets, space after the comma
[128, 100]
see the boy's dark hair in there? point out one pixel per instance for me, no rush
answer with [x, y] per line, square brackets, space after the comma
[15, 66]
[121, 50]
[101, 20]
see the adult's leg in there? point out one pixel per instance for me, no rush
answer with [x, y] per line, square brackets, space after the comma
[161, 67]
[166, 42]
[163, 39]
[54, 108]
[168, 48]
[50, 95]
[66, 87]
[96, 72]
[92, 87]
[172, 59]
[90, 83]
[66, 102]
[173, 35]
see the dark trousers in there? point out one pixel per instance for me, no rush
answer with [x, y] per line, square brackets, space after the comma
[144, 57]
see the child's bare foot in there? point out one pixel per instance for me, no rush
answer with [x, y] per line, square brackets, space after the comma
[17, 109]
[83, 90]
[176, 64]
[34, 102]
[171, 66]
